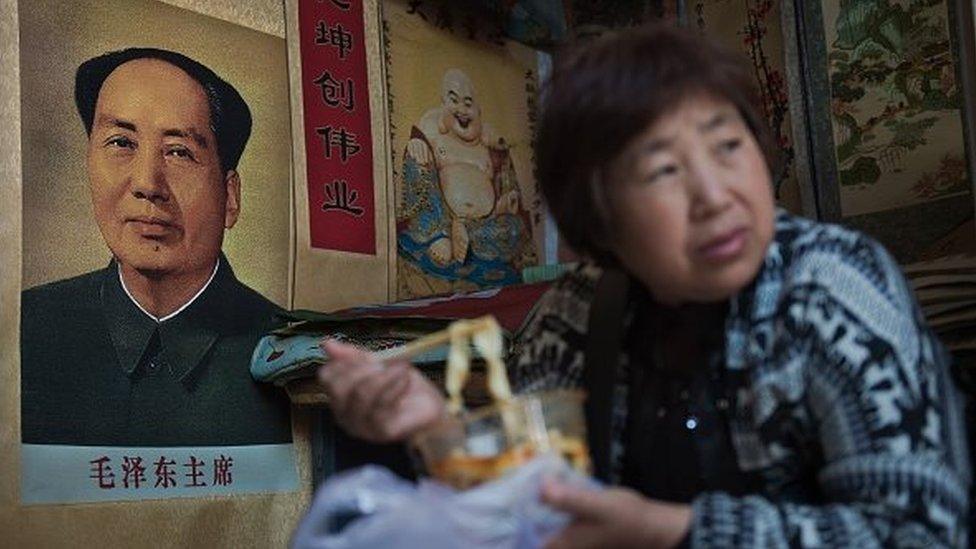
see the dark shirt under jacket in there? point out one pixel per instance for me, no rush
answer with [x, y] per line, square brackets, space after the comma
[677, 395]
[97, 371]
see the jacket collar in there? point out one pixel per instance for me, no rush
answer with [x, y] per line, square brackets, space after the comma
[185, 339]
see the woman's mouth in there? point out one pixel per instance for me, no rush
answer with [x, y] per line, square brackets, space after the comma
[725, 247]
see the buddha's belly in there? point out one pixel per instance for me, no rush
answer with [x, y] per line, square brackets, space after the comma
[467, 190]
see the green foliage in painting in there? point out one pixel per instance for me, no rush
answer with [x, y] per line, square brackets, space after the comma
[865, 171]
[841, 91]
[909, 133]
[891, 77]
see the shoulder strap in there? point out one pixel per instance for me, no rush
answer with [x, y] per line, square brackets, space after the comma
[602, 359]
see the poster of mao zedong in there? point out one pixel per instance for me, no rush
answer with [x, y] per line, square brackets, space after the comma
[155, 249]
[467, 209]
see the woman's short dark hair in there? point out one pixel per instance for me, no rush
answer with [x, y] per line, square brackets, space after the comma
[230, 118]
[603, 94]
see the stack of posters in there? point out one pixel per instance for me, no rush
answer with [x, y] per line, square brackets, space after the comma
[946, 291]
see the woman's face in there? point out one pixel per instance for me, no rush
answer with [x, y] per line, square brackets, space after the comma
[692, 205]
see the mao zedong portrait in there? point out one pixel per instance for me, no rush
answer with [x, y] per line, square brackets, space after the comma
[154, 349]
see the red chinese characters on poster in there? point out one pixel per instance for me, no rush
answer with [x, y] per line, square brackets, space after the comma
[338, 140]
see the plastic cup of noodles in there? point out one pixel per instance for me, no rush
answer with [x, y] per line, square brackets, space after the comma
[480, 445]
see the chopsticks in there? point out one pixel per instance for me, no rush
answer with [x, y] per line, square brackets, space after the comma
[417, 347]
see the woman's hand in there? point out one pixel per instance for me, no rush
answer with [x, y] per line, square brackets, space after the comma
[376, 402]
[616, 517]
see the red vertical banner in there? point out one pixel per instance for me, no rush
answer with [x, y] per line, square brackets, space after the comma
[338, 137]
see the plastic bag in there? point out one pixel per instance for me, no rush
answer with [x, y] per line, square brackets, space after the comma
[372, 507]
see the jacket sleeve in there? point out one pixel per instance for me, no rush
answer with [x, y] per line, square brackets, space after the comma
[887, 421]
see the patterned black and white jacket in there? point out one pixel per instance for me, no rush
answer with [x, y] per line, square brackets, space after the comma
[841, 386]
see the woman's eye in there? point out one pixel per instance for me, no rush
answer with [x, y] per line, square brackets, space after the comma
[662, 172]
[120, 142]
[730, 145]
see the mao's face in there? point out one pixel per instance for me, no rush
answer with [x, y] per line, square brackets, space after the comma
[159, 196]
[693, 204]
[463, 115]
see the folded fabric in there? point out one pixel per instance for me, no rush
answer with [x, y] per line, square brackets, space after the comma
[293, 352]
[279, 359]
[372, 507]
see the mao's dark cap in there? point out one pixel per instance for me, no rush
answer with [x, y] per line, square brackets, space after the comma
[230, 118]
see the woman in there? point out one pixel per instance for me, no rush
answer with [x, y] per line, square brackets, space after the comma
[776, 382]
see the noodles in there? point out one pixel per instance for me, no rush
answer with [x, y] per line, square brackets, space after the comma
[458, 366]
[488, 341]
[486, 335]
[474, 447]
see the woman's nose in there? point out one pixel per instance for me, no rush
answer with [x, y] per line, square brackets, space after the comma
[709, 191]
